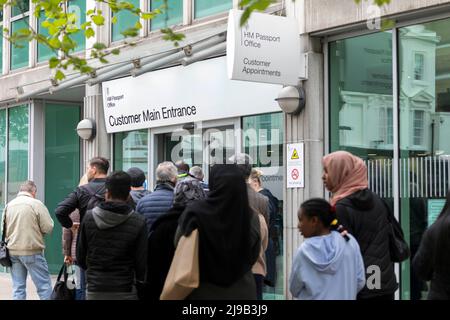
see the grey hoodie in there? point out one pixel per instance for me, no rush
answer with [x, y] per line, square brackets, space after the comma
[105, 219]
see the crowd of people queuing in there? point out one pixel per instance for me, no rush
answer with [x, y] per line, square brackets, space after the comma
[121, 239]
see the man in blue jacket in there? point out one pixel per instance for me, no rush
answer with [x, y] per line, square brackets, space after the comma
[161, 199]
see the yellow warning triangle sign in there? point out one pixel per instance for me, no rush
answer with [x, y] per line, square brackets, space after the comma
[295, 155]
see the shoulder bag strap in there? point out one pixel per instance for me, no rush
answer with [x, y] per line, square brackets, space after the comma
[4, 225]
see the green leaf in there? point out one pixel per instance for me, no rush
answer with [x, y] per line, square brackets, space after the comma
[115, 51]
[59, 75]
[138, 25]
[54, 43]
[114, 20]
[53, 62]
[98, 20]
[90, 33]
[99, 46]
[147, 15]
[85, 25]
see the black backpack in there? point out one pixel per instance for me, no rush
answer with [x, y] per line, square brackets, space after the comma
[96, 196]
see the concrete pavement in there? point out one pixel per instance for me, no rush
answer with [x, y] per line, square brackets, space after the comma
[6, 286]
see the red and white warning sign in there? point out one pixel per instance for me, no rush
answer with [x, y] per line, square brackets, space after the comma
[295, 165]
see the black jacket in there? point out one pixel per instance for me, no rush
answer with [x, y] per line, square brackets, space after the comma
[161, 250]
[432, 262]
[112, 247]
[364, 215]
[78, 199]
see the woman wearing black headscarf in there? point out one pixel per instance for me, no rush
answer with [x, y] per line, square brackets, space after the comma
[229, 241]
[161, 248]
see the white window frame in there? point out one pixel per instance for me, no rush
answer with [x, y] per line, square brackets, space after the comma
[422, 75]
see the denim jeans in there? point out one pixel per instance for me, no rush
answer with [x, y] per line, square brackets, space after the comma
[37, 266]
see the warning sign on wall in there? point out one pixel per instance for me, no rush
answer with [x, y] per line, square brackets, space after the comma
[295, 165]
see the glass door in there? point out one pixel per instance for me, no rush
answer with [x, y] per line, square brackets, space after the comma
[199, 144]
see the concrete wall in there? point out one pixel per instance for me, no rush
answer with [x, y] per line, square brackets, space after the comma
[326, 14]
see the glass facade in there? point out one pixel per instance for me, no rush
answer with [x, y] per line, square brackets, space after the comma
[21, 7]
[361, 121]
[170, 16]
[78, 7]
[131, 150]
[19, 54]
[44, 52]
[203, 8]
[17, 149]
[125, 20]
[263, 141]
[424, 101]
[2, 159]
[1, 48]
[62, 168]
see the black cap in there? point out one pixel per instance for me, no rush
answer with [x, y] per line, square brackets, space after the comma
[137, 177]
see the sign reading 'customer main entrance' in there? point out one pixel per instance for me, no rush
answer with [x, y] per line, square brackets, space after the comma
[266, 49]
[178, 95]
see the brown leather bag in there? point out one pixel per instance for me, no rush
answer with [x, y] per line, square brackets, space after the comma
[183, 276]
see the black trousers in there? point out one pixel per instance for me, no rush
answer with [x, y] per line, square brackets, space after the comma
[259, 280]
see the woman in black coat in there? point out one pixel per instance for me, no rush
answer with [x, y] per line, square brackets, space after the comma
[432, 260]
[365, 216]
[161, 248]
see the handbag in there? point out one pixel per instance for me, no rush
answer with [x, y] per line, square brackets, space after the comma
[183, 276]
[398, 247]
[63, 290]
[5, 259]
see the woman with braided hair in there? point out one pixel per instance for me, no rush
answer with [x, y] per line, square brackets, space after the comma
[328, 264]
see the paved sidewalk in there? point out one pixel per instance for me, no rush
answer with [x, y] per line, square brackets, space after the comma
[6, 287]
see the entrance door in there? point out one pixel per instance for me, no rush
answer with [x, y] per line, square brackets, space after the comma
[62, 168]
[212, 142]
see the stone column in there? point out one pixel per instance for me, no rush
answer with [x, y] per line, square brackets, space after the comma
[307, 127]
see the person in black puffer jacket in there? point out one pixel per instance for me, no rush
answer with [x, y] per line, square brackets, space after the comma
[365, 216]
[432, 260]
[112, 245]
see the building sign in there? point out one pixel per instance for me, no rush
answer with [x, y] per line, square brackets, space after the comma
[266, 49]
[435, 207]
[295, 175]
[178, 95]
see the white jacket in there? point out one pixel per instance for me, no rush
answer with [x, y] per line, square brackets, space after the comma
[27, 220]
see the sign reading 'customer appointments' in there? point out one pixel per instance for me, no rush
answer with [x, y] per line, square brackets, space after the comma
[178, 95]
[266, 49]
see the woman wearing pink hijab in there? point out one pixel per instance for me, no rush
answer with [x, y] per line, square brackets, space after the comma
[364, 215]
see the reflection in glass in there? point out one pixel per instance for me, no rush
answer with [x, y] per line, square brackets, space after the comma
[17, 149]
[62, 164]
[424, 74]
[203, 8]
[19, 55]
[170, 16]
[262, 138]
[131, 150]
[2, 158]
[125, 20]
[78, 7]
